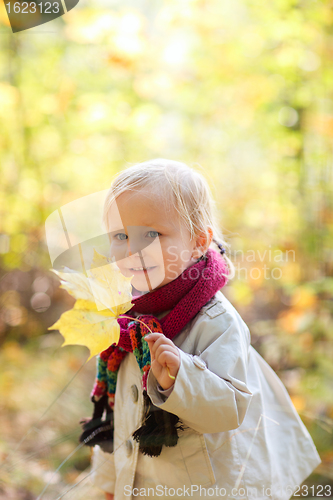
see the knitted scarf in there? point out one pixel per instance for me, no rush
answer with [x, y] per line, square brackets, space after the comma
[184, 297]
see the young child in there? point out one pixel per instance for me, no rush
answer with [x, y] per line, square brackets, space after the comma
[199, 413]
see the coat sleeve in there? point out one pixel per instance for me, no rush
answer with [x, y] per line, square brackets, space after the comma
[210, 392]
[103, 470]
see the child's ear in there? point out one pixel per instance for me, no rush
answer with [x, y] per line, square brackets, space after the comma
[202, 244]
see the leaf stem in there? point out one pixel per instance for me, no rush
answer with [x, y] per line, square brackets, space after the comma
[135, 319]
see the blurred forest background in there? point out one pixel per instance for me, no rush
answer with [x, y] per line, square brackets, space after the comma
[242, 88]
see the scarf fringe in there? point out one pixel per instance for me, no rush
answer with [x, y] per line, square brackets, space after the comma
[159, 428]
[97, 430]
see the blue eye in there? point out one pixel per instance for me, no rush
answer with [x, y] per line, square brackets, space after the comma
[121, 234]
[156, 232]
[119, 237]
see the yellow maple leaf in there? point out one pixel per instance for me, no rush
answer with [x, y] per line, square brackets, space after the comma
[102, 296]
[109, 286]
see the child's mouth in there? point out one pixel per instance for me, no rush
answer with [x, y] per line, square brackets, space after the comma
[140, 270]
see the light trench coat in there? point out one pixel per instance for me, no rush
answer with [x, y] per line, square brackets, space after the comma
[244, 438]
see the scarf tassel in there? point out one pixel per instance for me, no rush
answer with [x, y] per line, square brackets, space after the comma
[159, 428]
[99, 430]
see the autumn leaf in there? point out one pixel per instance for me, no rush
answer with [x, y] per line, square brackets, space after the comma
[85, 325]
[109, 286]
[75, 283]
[102, 296]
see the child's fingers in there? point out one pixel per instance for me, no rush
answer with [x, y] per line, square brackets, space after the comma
[168, 358]
[165, 348]
[152, 337]
[158, 338]
[163, 352]
[161, 341]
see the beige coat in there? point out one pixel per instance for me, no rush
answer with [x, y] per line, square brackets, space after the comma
[244, 440]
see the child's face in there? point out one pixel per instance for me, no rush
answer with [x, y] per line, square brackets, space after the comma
[144, 234]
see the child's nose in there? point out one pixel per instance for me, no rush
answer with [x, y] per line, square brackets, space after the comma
[135, 241]
[133, 247]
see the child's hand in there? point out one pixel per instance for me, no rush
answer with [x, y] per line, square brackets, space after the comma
[164, 354]
[109, 496]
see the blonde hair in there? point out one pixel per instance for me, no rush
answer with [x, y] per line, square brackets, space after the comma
[177, 185]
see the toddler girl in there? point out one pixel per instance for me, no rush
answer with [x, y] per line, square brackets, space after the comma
[193, 409]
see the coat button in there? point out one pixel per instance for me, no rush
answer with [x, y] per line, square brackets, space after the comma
[135, 393]
[199, 362]
[129, 447]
